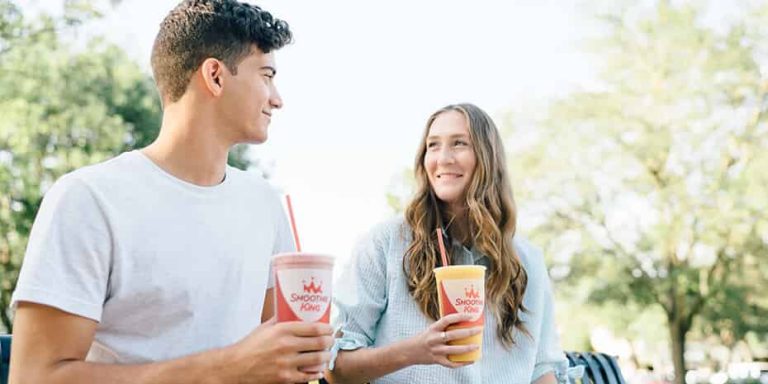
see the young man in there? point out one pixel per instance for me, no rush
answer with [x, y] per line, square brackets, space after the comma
[153, 267]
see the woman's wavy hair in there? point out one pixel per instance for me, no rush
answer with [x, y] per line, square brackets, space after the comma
[492, 221]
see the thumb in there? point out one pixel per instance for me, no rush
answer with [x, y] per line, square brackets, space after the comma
[268, 324]
[271, 323]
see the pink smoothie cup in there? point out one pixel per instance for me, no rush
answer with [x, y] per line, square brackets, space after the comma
[303, 286]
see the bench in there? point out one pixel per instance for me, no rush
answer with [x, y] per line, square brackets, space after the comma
[599, 368]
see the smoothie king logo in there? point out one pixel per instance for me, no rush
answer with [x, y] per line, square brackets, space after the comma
[463, 296]
[471, 301]
[312, 299]
[311, 288]
[471, 293]
[304, 294]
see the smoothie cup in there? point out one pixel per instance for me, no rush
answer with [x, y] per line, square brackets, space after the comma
[302, 286]
[461, 289]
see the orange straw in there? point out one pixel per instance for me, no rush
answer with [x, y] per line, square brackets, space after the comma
[442, 247]
[293, 222]
[295, 239]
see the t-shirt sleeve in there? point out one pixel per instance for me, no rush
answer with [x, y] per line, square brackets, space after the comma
[68, 257]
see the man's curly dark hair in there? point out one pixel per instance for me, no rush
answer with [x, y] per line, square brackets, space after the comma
[199, 29]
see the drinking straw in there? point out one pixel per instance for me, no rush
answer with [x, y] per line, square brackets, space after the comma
[293, 222]
[295, 239]
[442, 247]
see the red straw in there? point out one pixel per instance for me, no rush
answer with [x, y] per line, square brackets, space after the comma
[442, 247]
[293, 222]
[295, 239]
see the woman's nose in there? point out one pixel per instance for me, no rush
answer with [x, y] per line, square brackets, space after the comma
[445, 156]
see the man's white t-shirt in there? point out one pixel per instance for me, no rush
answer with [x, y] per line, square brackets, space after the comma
[166, 268]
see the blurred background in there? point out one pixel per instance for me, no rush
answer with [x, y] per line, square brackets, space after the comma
[636, 135]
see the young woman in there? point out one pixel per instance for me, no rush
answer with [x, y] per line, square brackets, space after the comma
[390, 327]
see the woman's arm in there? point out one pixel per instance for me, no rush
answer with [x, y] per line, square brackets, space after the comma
[547, 378]
[429, 347]
[551, 363]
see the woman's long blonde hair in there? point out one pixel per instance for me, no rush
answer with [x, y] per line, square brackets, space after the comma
[491, 215]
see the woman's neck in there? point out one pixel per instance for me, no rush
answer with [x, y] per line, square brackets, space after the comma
[458, 225]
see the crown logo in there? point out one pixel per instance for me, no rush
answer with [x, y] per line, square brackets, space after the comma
[312, 288]
[472, 293]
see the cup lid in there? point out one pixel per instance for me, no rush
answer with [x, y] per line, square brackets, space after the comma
[298, 258]
[459, 265]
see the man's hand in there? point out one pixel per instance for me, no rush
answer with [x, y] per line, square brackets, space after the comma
[280, 352]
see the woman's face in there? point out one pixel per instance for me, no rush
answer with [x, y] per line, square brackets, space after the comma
[450, 158]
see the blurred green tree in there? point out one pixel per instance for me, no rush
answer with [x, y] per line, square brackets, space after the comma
[650, 188]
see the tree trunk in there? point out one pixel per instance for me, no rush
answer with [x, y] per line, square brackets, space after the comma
[677, 333]
[6, 320]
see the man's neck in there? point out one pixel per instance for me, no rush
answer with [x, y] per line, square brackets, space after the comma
[190, 147]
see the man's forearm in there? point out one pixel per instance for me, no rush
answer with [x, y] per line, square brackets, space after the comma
[202, 368]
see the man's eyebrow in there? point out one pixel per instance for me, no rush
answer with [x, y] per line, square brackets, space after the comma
[269, 68]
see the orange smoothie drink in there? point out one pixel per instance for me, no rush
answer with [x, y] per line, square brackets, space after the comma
[302, 286]
[461, 289]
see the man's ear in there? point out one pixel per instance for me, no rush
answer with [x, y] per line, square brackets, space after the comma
[212, 71]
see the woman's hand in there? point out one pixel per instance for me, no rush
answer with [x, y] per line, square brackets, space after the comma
[431, 346]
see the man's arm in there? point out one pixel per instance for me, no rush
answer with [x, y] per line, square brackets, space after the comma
[50, 346]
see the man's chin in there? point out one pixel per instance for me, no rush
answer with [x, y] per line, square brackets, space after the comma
[255, 139]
